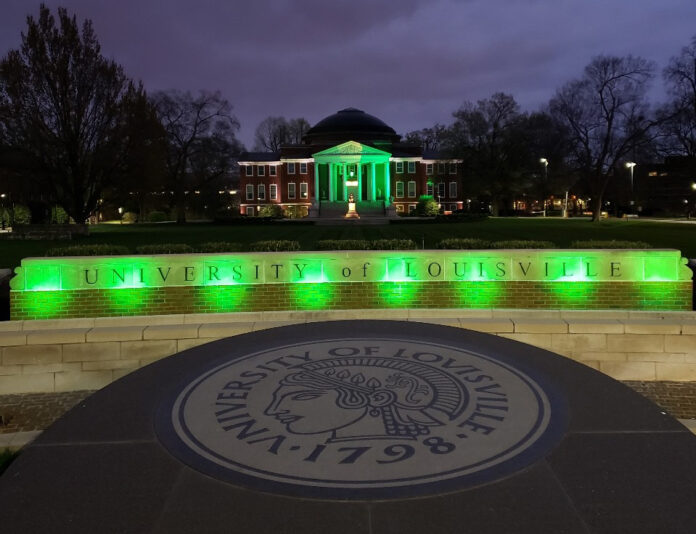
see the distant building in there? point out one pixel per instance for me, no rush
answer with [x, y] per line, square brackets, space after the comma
[349, 152]
[666, 188]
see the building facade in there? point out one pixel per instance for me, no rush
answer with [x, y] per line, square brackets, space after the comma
[348, 153]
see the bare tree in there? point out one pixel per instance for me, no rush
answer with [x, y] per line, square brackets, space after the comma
[680, 113]
[271, 133]
[201, 141]
[63, 110]
[297, 128]
[429, 138]
[607, 117]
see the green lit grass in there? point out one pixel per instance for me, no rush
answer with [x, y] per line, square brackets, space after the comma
[562, 232]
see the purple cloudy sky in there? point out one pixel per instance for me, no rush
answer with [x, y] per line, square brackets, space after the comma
[409, 62]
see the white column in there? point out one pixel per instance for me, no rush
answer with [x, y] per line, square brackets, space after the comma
[345, 187]
[373, 182]
[387, 180]
[331, 187]
[316, 183]
[359, 166]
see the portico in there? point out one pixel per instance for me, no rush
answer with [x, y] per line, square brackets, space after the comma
[351, 167]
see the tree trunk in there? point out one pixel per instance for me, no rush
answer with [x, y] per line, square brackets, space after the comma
[597, 208]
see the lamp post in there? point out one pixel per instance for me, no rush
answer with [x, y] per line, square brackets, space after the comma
[629, 166]
[545, 163]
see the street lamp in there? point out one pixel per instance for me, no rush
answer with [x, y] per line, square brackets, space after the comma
[629, 166]
[545, 163]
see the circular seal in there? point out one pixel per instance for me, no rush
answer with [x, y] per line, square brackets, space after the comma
[360, 418]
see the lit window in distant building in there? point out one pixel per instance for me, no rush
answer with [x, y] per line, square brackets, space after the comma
[272, 170]
[399, 189]
[291, 190]
[250, 210]
[273, 191]
[429, 189]
[291, 168]
[262, 192]
[441, 190]
[304, 190]
[412, 189]
[250, 192]
[429, 169]
[399, 167]
[303, 168]
[412, 167]
[261, 170]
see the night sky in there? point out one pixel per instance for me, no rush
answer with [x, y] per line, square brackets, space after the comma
[409, 62]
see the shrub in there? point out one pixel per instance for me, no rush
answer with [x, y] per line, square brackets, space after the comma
[59, 216]
[165, 248]
[463, 243]
[296, 212]
[392, 244]
[343, 244]
[271, 210]
[427, 207]
[591, 243]
[522, 243]
[219, 246]
[129, 217]
[157, 216]
[20, 214]
[274, 245]
[96, 249]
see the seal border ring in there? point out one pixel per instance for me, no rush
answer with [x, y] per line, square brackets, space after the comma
[169, 413]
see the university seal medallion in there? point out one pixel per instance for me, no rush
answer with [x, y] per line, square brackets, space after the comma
[352, 418]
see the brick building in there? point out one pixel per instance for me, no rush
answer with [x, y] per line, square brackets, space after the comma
[348, 153]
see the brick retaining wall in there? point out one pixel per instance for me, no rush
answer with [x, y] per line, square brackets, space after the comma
[81, 354]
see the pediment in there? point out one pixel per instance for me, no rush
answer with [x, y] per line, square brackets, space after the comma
[352, 148]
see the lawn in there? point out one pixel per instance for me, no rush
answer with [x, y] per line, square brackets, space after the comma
[560, 231]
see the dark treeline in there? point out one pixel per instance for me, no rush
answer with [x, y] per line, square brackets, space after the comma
[77, 136]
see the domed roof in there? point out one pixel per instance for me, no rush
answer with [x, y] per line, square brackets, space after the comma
[350, 124]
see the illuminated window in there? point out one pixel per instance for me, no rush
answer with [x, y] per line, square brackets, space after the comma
[412, 189]
[304, 190]
[262, 192]
[441, 190]
[652, 173]
[441, 168]
[291, 168]
[303, 168]
[399, 190]
[272, 170]
[399, 208]
[261, 170]
[291, 190]
[453, 190]
[273, 191]
[453, 168]
[250, 192]
[429, 169]
[429, 189]
[399, 167]
[411, 208]
[249, 170]
[412, 167]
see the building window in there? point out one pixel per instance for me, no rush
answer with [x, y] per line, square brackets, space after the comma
[303, 168]
[399, 190]
[429, 189]
[261, 170]
[250, 210]
[453, 190]
[250, 192]
[412, 189]
[453, 207]
[412, 167]
[441, 190]
[441, 168]
[291, 168]
[429, 169]
[262, 192]
[273, 191]
[411, 208]
[399, 167]
[304, 190]
[249, 170]
[272, 170]
[291, 190]
[399, 208]
[453, 168]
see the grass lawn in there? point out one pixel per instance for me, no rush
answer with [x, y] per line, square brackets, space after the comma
[559, 231]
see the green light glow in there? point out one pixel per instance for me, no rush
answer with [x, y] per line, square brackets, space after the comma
[219, 299]
[398, 294]
[479, 295]
[126, 301]
[46, 304]
[312, 296]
